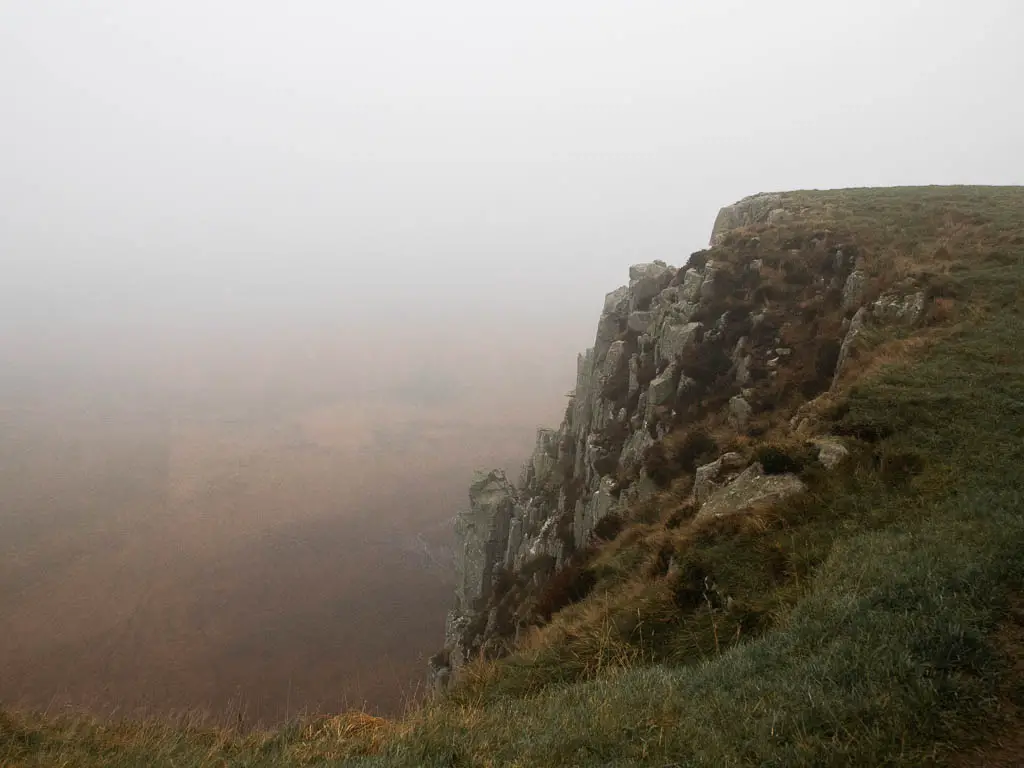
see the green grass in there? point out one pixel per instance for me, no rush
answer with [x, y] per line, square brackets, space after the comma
[860, 624]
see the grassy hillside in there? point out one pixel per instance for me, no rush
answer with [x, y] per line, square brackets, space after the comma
[876, 620]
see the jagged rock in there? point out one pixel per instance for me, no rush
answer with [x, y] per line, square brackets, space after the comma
[675, 340]
[646, 281]
[892, 309]
[739, 411]
[663, 387]
[857, 325]
[615, 369]
[461, 635]
[689, 291]
[515, 543]
[630, 390]
[639, 321]
[612, 322]
[634, 375]
[751, 489]
[600, 505]
[642, 489]
[633, 450]
[743, 370]
[831, 451]
[741, 361]
[750, 210]
[708, 287]
[617, 302]
[546, 543]
[481, 534]
[853, 290]
[543, 460]
[709, 477]
[602, 458]
[667, 297]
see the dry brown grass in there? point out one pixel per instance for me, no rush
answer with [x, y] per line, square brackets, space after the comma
[341, 736]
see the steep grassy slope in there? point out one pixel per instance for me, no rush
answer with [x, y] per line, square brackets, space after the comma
[875, 620]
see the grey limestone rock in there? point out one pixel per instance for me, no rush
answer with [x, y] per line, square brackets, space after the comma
[675, 340]
[709, 477]
[856, 327]
[853, 290]
[750, 210]
[615, 369]
[751, 489]
[690, 289]
[639, 321]
[739, 411]
[831, 451]
[481, 535]
[646, 281]
[663, 387]
[893, 309]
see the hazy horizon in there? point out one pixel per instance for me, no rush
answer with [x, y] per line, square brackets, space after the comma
[278, 277]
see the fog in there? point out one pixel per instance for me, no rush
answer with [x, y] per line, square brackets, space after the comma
[276, 277]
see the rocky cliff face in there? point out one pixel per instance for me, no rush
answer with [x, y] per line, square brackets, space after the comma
[745, 334]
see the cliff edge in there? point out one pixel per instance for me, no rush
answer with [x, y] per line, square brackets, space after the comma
[736, 341]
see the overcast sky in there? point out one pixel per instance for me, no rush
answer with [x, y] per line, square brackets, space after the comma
[387, 160]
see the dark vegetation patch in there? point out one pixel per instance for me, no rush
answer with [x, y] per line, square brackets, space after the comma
[608, 527]
[778, 459]
[569, 585]
[679, 453]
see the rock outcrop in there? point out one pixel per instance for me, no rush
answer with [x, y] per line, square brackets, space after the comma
[751, 489]
[751, 210]
[740, 331]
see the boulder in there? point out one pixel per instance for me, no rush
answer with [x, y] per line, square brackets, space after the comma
[709, 477]
[663, 387]
[675, 340]
[750, 490]
[893, 309]
[646, 281]
[831, 451]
